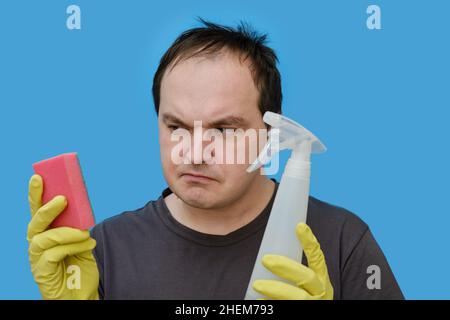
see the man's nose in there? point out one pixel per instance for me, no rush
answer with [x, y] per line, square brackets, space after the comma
[195, 154]
[197, 150]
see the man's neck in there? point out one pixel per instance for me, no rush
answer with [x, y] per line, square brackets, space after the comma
[224, 220]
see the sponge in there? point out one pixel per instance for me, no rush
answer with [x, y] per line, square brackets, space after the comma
[62, 176]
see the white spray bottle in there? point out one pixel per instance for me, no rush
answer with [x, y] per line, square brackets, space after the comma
[291, 201]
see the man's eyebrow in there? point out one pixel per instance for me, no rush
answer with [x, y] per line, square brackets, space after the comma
[225, 121]
[228, 121]
[167, 117]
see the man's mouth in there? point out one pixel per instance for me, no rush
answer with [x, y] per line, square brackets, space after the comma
[196, 177]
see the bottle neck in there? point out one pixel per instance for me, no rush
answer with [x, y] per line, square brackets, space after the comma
[302, 151]
[299, 165]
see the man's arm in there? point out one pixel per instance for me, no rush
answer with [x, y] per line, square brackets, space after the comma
[366, 274]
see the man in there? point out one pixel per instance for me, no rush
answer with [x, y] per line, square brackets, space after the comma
[200, 239]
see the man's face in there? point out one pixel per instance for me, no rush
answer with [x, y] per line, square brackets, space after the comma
[220, 92]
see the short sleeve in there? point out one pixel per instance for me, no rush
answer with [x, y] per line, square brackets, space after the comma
[366, 274]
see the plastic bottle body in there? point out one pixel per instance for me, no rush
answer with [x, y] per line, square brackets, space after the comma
[289, 208]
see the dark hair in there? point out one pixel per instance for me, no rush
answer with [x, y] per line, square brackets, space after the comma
[210, 39]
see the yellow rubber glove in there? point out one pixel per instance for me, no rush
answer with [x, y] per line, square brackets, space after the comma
[61, 258]
[311, 283]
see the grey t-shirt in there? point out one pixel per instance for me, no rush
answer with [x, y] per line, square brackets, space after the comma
[148, 254]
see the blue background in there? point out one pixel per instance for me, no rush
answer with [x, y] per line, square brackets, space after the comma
[378, 99]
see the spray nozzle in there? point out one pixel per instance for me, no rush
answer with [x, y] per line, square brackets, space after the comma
[286, 134]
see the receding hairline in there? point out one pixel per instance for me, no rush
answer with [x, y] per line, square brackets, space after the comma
[211, 53]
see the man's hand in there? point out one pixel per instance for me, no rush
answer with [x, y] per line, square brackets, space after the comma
[53, 252]
[311, 283]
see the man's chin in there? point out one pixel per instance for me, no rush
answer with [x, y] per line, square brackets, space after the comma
[197, 196]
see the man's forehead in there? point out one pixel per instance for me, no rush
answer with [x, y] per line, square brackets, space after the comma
[209, 91]
[202, 77]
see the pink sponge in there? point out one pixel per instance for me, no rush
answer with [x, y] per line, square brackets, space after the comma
[62, 176]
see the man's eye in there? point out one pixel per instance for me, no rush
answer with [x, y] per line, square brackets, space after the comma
[224, 129]
[172, 127]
